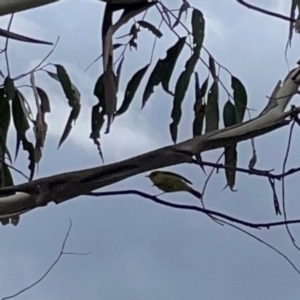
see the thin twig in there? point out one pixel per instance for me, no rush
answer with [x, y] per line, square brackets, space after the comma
[205, 186]
[6, 46]
[267, 225]
[13, 168]
[264, 11]
[283, 185]
[265, 243]
[62, 252]
[189, 33]
[40, 63]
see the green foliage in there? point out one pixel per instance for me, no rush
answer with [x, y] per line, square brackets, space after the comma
[5, 176]
[206, 102]
[199, 108]
[20, 117]
[72, 94]
[240, 98]
[212, 108]
[131, 89]
[184, 78]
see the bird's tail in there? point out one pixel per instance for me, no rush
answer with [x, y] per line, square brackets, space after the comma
[195, 193]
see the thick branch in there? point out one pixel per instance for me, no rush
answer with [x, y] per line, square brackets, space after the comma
[8, 7]
[62, 187]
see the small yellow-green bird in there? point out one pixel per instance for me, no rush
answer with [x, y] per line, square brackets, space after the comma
[170, 182]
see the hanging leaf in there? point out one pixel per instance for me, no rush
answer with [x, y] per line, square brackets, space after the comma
[9, 88]
[212, 108]
[99, 91]
[22, 38]
[110, 95]
[118, 72]
[198, 97]
[198, 121]
[183, 9]
[180, 91]
[153, 81]
[6, 178]
[40, 125]
[199, 109]
[20, 120]
[231, 161]
[97, 122]
[229, 115]
[150, 27]
[229, 119]
[169, 62]
[212, 68]
[22, 125]
[70, 89]
[71, 120]
[198, 25]
[291, 25]
[163, 70]
[72, 94]
[184, 78]
[204, 87]
[5, 116]
[131, 89]
[45, 103]
[240, 98]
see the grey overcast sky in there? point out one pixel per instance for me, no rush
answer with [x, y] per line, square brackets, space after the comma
[141, 250]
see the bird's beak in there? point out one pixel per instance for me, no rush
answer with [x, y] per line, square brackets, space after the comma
[147, 176]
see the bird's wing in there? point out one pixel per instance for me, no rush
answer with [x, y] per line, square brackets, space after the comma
[177, 175]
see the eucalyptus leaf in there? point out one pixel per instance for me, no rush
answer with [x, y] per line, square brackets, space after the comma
[183, 81]
[22, 125]
[131, 89]
[212, 108]
[240, 98]
[169, 62]
[231, 161]
[154, 80]
[229, 115]
[150, 27]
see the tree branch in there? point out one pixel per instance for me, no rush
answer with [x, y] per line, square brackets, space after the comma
[8, 7]
[62, 187]
[197, 209]
[264, 11]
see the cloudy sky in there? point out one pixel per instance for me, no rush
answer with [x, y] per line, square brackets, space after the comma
[141, 250]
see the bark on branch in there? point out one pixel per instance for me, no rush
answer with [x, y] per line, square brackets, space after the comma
[8, 7]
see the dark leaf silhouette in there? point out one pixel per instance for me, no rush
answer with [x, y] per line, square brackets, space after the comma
[72, 94]
[150, 27]
[184, 78]
[131, 89]
[153, 81]
[229, 115]
[204, 87]
[169, 62]
[9, 88]
[240, 98]
[20, 113]
[183, 9]
[212, 108]
[199, 109]
[229, 119]
[231, 161]
[212, 68]
[22, 38]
